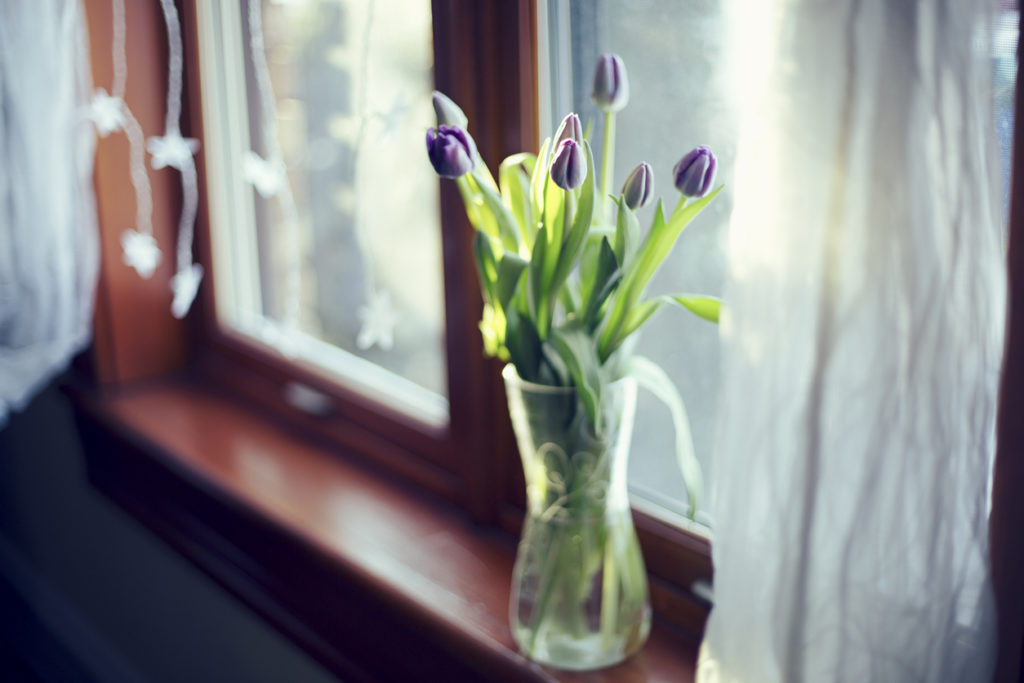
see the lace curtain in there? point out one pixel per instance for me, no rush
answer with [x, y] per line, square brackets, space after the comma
[861, 349]
[48, 242]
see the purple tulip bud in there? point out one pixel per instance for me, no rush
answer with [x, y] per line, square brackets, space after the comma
[451, 151]
[611, 87]
[570, 129]
[695, 172]
[569, 169]
[639, 186]
[448, 113]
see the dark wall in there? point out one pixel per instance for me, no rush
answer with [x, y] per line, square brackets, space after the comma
[102, 571]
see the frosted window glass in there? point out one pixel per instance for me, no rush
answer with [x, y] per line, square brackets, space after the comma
[351, 88]
[671, 51]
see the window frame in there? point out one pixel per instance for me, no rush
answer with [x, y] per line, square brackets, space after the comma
[436, 458]
[480, 48]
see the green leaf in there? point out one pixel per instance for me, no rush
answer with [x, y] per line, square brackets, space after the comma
[658, 223]
[474, 204]
[553, 226]
[576, 349]
[514, 177]
[656, 246]
[705, 307]
[486, 266]
[535, 281]
[552, 369]
[589, 263]
[492, 329]
[538, 178]
[659, 242]
[701, 305]
[637, 317]
[627, 233]
[506, 226]
[607, 275]
[524, 346]
[651, 377]
[486, 222]
[520, 296]
[510, 270]
[554, 221]
[570, 298]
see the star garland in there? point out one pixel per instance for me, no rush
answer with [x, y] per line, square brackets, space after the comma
[177, 152]
[110, 113]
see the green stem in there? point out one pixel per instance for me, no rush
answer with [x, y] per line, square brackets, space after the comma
[607, 163]
[472, 210]
[609, 587]
[484, 171]
[568, 212]
[550, 572]
[683, 201]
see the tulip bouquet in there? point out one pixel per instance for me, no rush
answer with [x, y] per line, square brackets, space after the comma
[563, 264]
[564, 268]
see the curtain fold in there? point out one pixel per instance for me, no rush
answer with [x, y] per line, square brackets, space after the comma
[49, 249]
[861, 348]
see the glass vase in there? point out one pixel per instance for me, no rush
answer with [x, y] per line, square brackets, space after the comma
[579, 587]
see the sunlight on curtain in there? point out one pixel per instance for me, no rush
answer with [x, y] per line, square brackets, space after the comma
[861, 348]
[48, 242]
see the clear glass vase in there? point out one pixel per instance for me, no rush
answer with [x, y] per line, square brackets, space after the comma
[579, 587]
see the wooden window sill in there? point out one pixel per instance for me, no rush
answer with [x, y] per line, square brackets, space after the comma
[373, 579]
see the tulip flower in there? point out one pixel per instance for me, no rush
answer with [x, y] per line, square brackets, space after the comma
[569, 167]
[611, 87]
[695, 172]
[448, 113]
[451, 150]
[639, 186]
[610, 93]
[570, 129]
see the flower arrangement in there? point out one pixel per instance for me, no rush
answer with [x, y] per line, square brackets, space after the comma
[563, 264]
[564, 268]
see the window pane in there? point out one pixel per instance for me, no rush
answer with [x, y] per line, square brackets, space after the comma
[676, 62]
[339, 267]
[671, 52]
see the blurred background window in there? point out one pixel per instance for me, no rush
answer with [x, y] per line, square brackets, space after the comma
[347, 278]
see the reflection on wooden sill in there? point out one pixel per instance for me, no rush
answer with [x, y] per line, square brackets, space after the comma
[350, 565]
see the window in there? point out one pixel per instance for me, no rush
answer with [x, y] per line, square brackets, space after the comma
[350, 302]
[679, 99]
[325, 219]
[350, 100]
[344, 260]
[345, 98]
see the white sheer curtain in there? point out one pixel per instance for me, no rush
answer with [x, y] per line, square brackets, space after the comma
[48, 243]
[861, 349]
